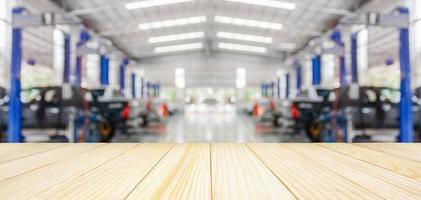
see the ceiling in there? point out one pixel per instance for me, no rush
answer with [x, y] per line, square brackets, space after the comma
[310, 19]
[111, 19]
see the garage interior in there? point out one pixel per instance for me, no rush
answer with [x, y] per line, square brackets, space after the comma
[181, 99]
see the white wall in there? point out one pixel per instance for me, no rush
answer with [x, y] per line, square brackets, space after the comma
[207, 70]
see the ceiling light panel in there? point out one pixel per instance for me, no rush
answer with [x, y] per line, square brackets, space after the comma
[182, 47]
[244, 37]
[240, 47]
[248, 22]
[172, 23]
[153, 3]
[176, 37]
[268, 3]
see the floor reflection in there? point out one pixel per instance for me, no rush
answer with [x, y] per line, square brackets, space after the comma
[210, 125]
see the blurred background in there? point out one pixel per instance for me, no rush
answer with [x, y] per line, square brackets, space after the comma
[210, 71]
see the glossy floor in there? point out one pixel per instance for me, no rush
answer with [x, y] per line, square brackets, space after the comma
[227, 125]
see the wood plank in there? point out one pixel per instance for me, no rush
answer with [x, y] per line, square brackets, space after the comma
[26, 164]
[184, 173]
[117, 177]
[383, 182]
[409, 168]
[10, 152]
[238, 174]
[402, 150]
[54, 175]
[307, 179]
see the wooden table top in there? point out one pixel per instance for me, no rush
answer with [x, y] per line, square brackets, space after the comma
[210, 171]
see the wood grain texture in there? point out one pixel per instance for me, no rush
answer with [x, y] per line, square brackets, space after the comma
[408, 151]
[10, 152]
[184, 173]
[114, 179]
[60, 173]
[384, 183]
[238, 174]
[305, 178]
[42, 159]
[210, 171]
[409, 168]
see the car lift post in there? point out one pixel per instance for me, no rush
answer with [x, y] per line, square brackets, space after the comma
[354, 58]
[66, 71]
[83, 38]
[104, 70]
[142, 88]
[278, 87]
[133, 85]
[14, 133]
[122, 75]
[287, 83]
[405, 105]
[298, 69]
[337, 38]
[317, 75]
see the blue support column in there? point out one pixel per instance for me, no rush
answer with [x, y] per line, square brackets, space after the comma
[122, 75]
[133, 81]
[405, 105]
[337, 38]
[317, 73]
[287, 85]
[67, 51]
[298, 73]
[158, 89]
[14, 133]
[278, 87]
[354, 58]
[148, 89]
[142, 88]
[83, 38]
[104, 70]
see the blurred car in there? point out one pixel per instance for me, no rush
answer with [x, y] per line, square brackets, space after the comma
[45, 107]
[116, 110]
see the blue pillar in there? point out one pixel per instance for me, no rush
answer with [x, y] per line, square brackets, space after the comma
[67, 51]
[133, 81]
[83, 38]
[158, 89]
[262, 89]
[14, 133]
[142, 88]
[298, 69]
[337, 38]
[317, 73]
[148, 89]
[278, 87]
[354, 58]
[104, 70]
[287, 84]
[122, 75]
[405, 105]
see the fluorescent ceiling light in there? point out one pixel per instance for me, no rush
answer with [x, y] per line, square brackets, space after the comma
[251, 38]
[176, 37]
[181, 47]
[152, 3]
[288, 46]
[240, 47]
[173, 22]
[268, 3]
[247, 22]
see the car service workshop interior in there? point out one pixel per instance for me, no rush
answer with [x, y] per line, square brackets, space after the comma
[210, 99]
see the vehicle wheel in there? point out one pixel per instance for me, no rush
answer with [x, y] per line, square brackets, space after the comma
[106, 131]
[314, 131]
[145, 121]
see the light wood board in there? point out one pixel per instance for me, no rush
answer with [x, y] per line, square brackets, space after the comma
[210, 171]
